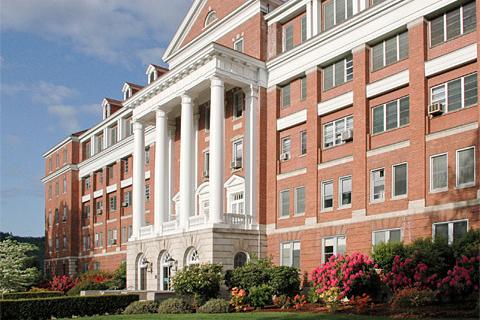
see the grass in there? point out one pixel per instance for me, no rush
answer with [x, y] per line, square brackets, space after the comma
[248, 316]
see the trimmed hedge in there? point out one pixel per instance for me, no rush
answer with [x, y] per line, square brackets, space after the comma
[64, 307]
[30, 295]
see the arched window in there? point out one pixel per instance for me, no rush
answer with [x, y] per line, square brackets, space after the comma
[192, 257]
[211, 17]
[240, 259]
[165, 269]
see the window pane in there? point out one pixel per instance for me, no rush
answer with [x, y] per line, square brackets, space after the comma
[284, 203]
[329, 18]
[327, 195]
[439, 172]
[400, 180]
[403, 45]
[437, 31]
[303, 83]
[328, 77]
[395, 236]
[349, 8]
[404, 111]
[349, 66]
[470, 90]
[377, 56]
[328, 248]
[303, 142]
[339, 11]
[438, 94]
[454, 95]
[441, 231]
[339, 72]
[379, 237]
[378, 125]
[390, 51]
[296, 255]
[341, 245]
[286, 249]
[328, 135]
[300, 200]
[339, 128]
[304, 28]
[286, 95]
[459, 229]
[286, 145]
[346, 191]
[466, 166]
[289, 38]
[378, 183]
[469, 17]
[392, 115]
[453, 24]
[350, 123]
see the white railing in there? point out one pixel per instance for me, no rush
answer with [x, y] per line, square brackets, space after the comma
[197, 220]
[169, 226]
[238, 220]
[146, 231]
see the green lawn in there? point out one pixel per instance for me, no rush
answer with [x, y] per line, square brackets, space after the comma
[251, 316]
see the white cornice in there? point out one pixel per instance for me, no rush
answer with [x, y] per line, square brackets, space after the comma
[389, 83]
[59, 172]
[59, 145]
[292, 120]
[451, 60]
[286, 11]
[104, 124]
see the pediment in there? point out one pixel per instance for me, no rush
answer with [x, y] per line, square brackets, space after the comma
[234, 181]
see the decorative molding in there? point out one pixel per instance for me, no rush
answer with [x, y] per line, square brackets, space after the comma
[56, 174]
[335, 162]
[389, 148]
[292, 120]
[286, 11]
[112, 188]
[451, 60]
[336, 103]
[98, 194]
[291, 174]
[86, 198]
[59, 145]
[388, 84]
[451, 131]
[126, 183]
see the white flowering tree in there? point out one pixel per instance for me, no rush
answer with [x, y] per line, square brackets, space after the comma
[15, 273]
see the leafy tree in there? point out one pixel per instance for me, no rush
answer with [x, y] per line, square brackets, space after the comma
[15, 273]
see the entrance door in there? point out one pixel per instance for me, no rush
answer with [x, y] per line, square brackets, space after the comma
[143, 278]
[166, 278]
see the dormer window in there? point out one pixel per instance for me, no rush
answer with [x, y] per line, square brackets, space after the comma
[211, 17]
[152, 76]
[106, 111]
[127, 94]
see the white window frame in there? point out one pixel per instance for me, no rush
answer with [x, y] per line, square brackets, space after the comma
[384, 107]
[340, 192]
[238, 45]
[303, 29]
[112, 203]
[334, 124]
[393, 181]
[445, 92]
[346, 61]
[384, 51]
[335, 246]
[236, 156]
[387, 234]
[206, 163]
[303, 88]
[431, 173]
[238, 96]
[474, 182]
[147, 192]
[335, 23]
[284, 37]
[295, 201]
[282, 150]
[292, 248]
[372, 200]
[237, 202]
[302, 145]
[450, 228]
[322, 185]
[282, 89]
[281, 213]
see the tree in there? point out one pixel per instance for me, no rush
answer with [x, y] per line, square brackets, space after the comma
[15, 273]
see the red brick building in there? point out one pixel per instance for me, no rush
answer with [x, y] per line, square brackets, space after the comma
[292, 129]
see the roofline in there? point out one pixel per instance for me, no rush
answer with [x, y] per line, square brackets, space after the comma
[274, 15]
[60, 144]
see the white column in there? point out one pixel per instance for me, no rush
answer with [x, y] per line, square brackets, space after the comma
[217, 149]
[171, 159]
[187, 191]
[196, 118]
[251, 107]
[120, 129]
[161, 168]
[309, 16]
[138, 178]
[316, 19]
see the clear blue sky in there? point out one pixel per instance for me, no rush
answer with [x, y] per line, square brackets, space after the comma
[58, 60]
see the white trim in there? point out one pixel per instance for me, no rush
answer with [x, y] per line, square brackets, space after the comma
[470, 184]
[295, 201]
[126, 183]
[112, 188]
[58, 173]
[322, 195]
[389, 148]
[290, 174]
[431, 173]
[388, 84]
[86, 198]
[387, 238]
[340, 193]
[286, 11]
[98, 193]
[372, 186]
[292, 120]
[402, 196]
[451, 60]
[335, 162]
[450, 224]
[336, 103]
[452, 131]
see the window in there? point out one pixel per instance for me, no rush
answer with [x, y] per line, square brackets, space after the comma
[50, 218]
[57, 188]
[65, 213]
[151, 77]
[86, 210]
[332, 131]
[57, 216]
[240, 259]
[128, 126]
[439, 172]
[99, 239]
[236, 203]
[125, 165]
[124, 235]
[86, 242]
[338, 73]
[452, 24]
[65, 155]
[57, 160]
[238, 45]
[288, 38]
[387, 236]
[333, 246]
[377, 185]
[391, 115]
[400, 180]
[238, 105]
[286, 95]
[390, 51]
[111, 173]
[290, 254]
[96, 266]
[345, 192]
[112, 203]
[327, 195]
[147, 192]
[465, 167]
[450, 231]
[303, 88]
[303, 142]
[64, 184]
[211, 17]
[147, 156]
[456, 94]
[87, 183]
[57, 244]
[99, 207]
[130, 231]
[206, 164]
[303, 23]
[100, 177]
[237, 154]
[98, 143]
[87, 149]
[285, 203]
[299, 200]
[207, 118]
[50, 191]
[127, 199]
[336, 12]
[50, 164]
[205, 207]
[286, 145]
[65, 242]
[112, 237]
[85, 267]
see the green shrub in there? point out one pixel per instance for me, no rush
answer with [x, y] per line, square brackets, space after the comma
[215, 306]
[413, 297]
[174, 306]
[200, 282]
[261, 296]
[64, 307]
[142, 307]
[384, 253]
[468, 245]
[285, 280]
[437, 255]
[30, 295]
[119, 280]
[87, 285]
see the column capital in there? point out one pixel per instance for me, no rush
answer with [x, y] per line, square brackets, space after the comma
[251, 90]
[186, 98]
[416, 22]
[359, 48]
[216, 81]
[137, 125]
[160, 112]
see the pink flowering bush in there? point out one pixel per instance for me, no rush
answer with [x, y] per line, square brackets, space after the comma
[353, 274]
[407, 273]
[61, 283]
[462, 280]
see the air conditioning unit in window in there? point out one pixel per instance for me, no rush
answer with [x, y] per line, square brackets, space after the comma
[114, 242]
[125, 204]
[285, 156]
[99, 211]
[435, 109]
[236, 164]
[347, 135]
[205, 173]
